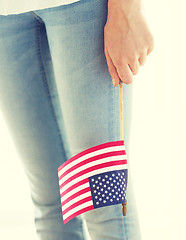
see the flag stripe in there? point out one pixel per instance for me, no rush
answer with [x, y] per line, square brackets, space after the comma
[90, 155]
[74, 187]
[75, 195]
[103, 147]
[107, 169]
[78, 208]
[89, 198]
[76, 200]
[94, 163]
[78, 213]
[91, 159]
[90, 169]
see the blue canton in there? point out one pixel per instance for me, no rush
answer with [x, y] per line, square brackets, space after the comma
[109, 188]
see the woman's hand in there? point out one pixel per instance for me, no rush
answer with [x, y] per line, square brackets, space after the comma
[127, 39]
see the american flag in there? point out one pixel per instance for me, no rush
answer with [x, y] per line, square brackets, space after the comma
[96, 177]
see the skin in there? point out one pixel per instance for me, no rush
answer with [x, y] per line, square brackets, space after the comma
[127, 40]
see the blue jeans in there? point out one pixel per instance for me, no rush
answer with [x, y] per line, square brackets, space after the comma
[58, 99]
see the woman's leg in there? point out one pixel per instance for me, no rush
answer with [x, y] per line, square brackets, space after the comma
[89, 101]
[29, 102]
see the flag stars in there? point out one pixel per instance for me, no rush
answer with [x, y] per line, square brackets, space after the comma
[108, 189]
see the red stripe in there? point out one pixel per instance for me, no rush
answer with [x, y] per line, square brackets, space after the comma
[78, 213]
[90, 169]
[77, 204]
[74, 186]
[92, 149]
[84, 190]
[91, 159]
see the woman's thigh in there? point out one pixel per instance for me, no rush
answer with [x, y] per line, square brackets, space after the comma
[89, 101]
[29, 103]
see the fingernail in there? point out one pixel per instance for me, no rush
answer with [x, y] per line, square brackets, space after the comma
[114, 82]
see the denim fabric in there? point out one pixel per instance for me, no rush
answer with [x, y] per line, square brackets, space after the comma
[58, 99]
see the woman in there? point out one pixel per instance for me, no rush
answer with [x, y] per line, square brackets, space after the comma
[58, 66]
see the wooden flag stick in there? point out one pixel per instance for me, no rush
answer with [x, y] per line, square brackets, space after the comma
[124, 205]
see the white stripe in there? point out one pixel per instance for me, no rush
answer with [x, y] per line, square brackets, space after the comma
[94, 163]
[84, 195]
[76, 209]
[97, 171]
[77, 189]
[91, 154]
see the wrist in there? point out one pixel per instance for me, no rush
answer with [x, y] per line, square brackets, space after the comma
[128, 8]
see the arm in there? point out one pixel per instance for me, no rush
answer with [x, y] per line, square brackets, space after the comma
[127, 39]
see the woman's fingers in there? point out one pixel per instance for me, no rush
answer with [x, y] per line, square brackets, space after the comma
[125, 73]
[112, 68]
[142, 59]
[134, 66]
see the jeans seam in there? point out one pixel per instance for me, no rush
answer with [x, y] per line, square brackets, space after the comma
[44, 74]
[37, 17]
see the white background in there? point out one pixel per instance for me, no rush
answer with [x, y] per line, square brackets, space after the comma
[157, 153]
